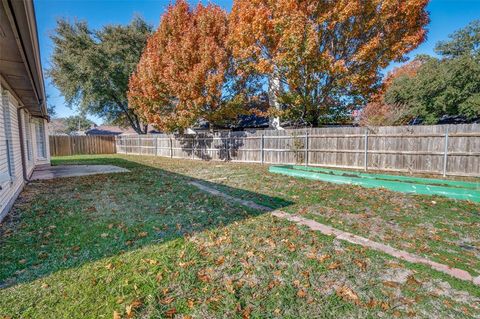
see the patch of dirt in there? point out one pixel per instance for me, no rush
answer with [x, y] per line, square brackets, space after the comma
[443, 289]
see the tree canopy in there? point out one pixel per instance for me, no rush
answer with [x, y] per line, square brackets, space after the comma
[326, 55]
[91, 68]
[439, 87]
[77, 123]
[185, 73]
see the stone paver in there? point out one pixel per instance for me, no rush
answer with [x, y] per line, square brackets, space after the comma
[349, 237]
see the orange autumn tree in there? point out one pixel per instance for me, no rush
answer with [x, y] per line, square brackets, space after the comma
[323, 58]
[183, 74]
[378, 112]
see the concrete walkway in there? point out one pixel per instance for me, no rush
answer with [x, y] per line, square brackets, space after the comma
[349, 237]
[51, 172]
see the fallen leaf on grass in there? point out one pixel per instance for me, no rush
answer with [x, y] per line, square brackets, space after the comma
[131, 307]
[334, 265]
[301, 293]
[186, 264]
[142, 234]
[391, 284]
[203, 276]
[322, 258]
[104, 235]
[246, 312]
[151, 261]
[170, 312]
[159, 277]
[412, 281]
[167, 300]
[220, 260]
[348, 294]
[116, 315]
[361, 264]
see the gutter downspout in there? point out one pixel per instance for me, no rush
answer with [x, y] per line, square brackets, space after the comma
[22, 143]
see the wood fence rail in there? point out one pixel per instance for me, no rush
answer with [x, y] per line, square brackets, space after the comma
[79, 145]
[439, 149]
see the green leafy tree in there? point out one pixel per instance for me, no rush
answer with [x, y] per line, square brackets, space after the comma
[91, 68]
[445, 86]
[463, 42]
[77, 123]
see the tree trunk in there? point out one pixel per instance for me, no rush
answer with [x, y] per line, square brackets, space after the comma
[274, 90]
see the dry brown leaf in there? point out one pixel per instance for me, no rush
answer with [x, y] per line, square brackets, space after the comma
[151, 261]
[190, 303]
[412, 281]
[246, 312]
[371, 303]
[391, 284]
[385, 306]
[167, 300]
[301, 293]
[142, 234]
[202, 275]
[110, 266]
[116, 315]
[361, 264]
[323, 258]
[159, 277]
[348, 294]
[334, 265]
[220, 260]
[170, 312]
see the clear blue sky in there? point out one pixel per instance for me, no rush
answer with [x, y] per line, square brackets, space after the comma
[446, 16]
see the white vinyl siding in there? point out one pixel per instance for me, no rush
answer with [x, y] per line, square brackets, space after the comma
[10, 135]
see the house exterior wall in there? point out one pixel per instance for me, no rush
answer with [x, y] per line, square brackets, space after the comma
[11, 166]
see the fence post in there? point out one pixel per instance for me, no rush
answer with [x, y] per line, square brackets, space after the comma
[445, 154]
[156, 146]
[306, 149]
[193, 147]
[262, 149]
[366, 150]
[228, 145]
[139, 148]
[171, 147]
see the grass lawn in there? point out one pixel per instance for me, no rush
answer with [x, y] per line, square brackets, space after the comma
[146, 244]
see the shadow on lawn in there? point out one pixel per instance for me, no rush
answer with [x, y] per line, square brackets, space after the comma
[65, 223]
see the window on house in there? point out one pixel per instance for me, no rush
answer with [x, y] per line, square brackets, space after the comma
[7, 124]
[40, 135]
[28, 137]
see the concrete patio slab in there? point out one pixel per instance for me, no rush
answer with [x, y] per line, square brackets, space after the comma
[50, 172]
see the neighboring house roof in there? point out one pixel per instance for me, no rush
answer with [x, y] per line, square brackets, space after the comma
[106, 130]
[20, 67]
[115, 130]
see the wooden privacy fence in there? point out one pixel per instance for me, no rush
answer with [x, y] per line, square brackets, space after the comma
[78, 145]
[442, 149]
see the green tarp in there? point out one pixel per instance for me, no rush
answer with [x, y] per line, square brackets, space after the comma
[404, 184]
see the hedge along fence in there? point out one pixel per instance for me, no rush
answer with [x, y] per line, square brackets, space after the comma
[79, 145]
[440, 149]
